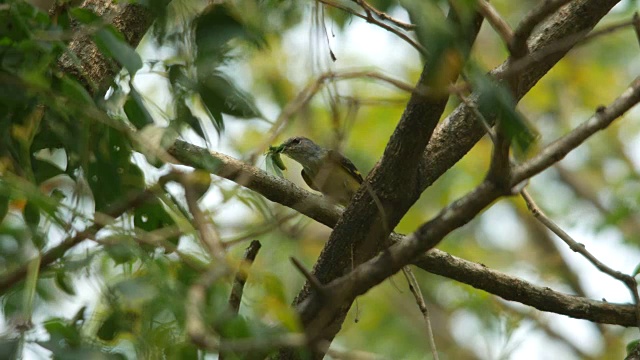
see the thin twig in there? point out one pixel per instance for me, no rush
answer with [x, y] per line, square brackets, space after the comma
[555, 151]
[414, 287]
[543, 325]
[241, 276]
[208, 235]
[372, 20]
[636, 25]
[497, 22]
[304, 97]
[266, 227]
[205, 338]
[313, 281]
[481, 119]
[235, 297]
[368, 8]
[575, 246]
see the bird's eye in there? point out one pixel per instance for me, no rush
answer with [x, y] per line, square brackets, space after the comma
[295, 141]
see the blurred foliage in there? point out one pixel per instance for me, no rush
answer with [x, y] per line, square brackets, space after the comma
[67, 156]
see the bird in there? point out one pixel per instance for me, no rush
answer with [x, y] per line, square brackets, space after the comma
[324, 170]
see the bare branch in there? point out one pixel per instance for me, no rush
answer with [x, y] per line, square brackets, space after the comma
[575, 246]
[542, 298]
[636, 25]
[497, 22]
[202, 336]
[368, 8]
[306, 95]
[208, 235]
[241, 276]
[434, 261]
[460, 131]
[372, 20]
[315, 284]
[239, 280]
[414, 287]
[561, 147]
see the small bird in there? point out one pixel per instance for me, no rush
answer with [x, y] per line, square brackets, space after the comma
[324, 170]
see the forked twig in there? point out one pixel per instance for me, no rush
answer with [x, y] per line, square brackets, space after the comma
[368, 8]
[575, 246]
[370, 19]
[497, 22]
[414, 287]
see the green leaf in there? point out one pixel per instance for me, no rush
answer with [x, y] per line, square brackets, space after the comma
[59, 331]
[236, 327]
[152, 216]
[31, 214]
[214, 29]
[632, 346]
[84, 15]
[184, 88]
[64, 283]
[112, 43]
[274, 287]
[136, 110]
[494, 100]
[122, 249]
[72, 89]
[182, 351]
[112, 175]
[117, 322]
[9, 347]
[221, 95]
[4, 206]
[136, 290]
[275, 164]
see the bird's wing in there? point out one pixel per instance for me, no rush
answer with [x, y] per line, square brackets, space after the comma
[308, 180]
[346, 164]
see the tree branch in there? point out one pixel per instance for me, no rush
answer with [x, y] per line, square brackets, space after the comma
[518, 45]
[386, 195]
[435, 261]
[370, 19]
[561, 147]
[514, 289]
[575, 246]
[460, 131]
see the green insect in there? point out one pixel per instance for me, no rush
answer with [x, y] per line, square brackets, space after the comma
[274, 155]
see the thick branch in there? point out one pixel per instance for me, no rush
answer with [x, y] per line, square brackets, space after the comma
[96, 71]
[459, 132]
[515, 289]
[387, 193]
